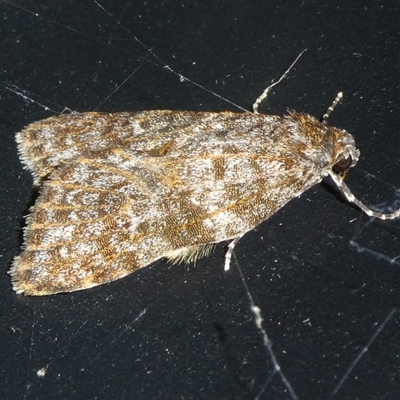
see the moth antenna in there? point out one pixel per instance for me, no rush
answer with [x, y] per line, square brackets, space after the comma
[352, 199]
[264, 94]
[335, 102]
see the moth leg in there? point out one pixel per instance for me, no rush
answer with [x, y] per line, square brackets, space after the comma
[229, 252]
[264, 94]
[352, 199]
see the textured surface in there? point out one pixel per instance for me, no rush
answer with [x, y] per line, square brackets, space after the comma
[321, 299]
[131, 188]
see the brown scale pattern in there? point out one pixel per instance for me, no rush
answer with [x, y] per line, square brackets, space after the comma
[119, 191]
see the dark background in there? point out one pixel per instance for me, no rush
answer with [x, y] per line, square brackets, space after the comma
[324, 276]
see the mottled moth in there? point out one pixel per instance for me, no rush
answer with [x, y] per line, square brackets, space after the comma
[120, 191]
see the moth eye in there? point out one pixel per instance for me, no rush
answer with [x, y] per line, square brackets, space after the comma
[343, 165]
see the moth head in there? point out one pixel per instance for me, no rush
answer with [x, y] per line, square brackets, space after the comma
[345, 154]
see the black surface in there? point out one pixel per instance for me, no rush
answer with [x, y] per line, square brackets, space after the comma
[322, 300]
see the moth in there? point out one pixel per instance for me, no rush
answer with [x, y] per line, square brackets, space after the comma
[120, 191]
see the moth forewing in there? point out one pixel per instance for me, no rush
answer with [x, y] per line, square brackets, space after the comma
[120, 191]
